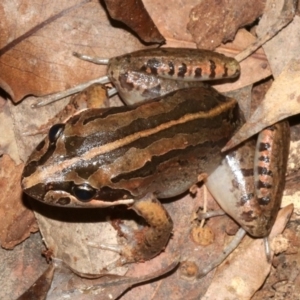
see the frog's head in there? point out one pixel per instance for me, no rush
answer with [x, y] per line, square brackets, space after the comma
[61, 170]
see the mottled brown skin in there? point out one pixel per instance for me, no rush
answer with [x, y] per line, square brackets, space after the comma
[259, 208]
[150, 73]
[257, 173]
[154, 148]
[273, 146]
[92, 97]
[159, 147]
[183, 131]
[177, 64]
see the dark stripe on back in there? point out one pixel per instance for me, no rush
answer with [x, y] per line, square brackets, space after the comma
[102, 113]
[77, 145]
[149, 169]
[31, 167]
[198, 99]
[87, 168]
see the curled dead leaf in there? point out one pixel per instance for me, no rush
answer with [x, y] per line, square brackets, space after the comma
[36, 48]
[246, 268]
[17, 221]
[134, 14]
[281, 101]
[205, 20]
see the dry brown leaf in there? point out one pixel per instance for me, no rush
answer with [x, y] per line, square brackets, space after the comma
[279, 55]
[21, 266]
[286, 16]
[8, 142]
[171, 18]
[281, 101]
[17, 223]
[95, 96]
[67, 284]
[37, 43]
[253, 69]
[206, 17]
[247, 268]
[285, 64]
[181, 243]
[39, 289]
[88, 36]
[134, 15]
[69, 232]
[44, 65]
[72, 235]
[283, 281]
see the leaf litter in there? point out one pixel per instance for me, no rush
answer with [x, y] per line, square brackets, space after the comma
[45, 76]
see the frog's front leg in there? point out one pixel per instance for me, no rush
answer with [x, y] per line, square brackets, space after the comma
[249, 183]
[145, 243]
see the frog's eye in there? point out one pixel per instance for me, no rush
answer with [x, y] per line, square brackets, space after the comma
[55, 132]
[84, 192]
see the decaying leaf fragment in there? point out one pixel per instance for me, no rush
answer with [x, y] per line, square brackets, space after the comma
[39, 289]
[281, 101]
[253, 69]
[94, 96]
[246, 269]
[134, 15]
[214, 22]
[274, 22]
[68, 284]
[36, 46]
[16, 220]
[275, 17]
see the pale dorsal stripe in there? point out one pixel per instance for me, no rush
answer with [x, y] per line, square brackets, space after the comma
[49, 170]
